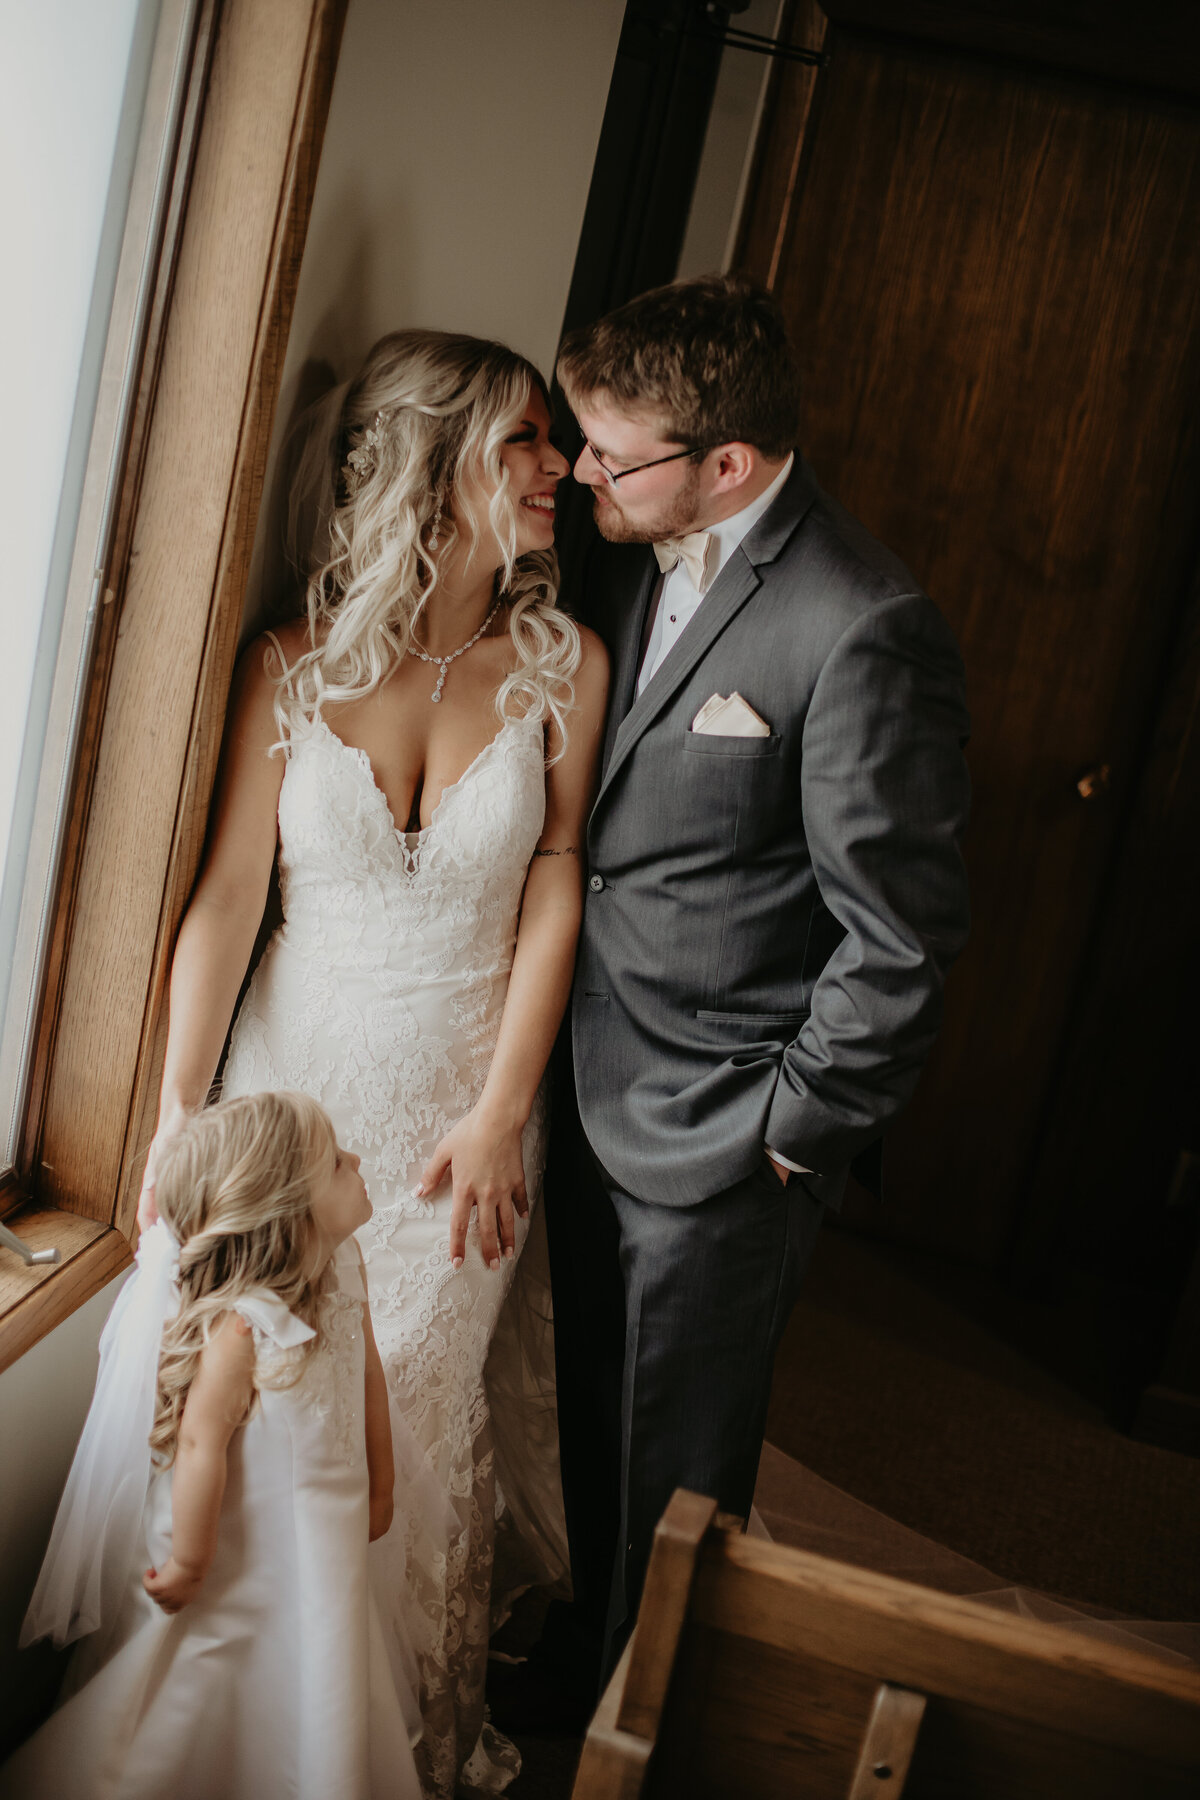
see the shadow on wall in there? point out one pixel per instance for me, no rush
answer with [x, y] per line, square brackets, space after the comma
[43, 1401]
[337, 343]
[276, 583]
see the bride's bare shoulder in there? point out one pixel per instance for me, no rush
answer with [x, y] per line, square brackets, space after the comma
[594, 662]
[260, 666]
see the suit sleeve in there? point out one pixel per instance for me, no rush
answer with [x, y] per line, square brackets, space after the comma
[885, 792]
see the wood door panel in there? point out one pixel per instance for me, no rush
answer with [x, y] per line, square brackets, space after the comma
[992, 277]
[1157, 45]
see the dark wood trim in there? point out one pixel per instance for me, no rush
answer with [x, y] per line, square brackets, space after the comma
[1155, 44]
[647, 159]
[12, 1194]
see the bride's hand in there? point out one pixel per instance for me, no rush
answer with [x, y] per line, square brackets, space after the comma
[483, 1156]
[147, 1211]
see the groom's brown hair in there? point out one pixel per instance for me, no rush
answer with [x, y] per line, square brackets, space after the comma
[709, 358]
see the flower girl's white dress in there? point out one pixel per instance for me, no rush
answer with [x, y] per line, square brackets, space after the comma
[275, 1683]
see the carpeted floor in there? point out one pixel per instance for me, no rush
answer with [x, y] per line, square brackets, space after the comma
[929, 1394]
[903, 1382]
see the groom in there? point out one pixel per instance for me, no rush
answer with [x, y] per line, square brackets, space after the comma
[775, 895]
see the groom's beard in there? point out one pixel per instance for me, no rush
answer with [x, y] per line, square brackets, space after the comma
[675, 518]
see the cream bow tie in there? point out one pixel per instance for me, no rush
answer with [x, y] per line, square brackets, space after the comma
[695, 552]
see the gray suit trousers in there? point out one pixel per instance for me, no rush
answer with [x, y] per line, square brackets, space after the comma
[674, 1370]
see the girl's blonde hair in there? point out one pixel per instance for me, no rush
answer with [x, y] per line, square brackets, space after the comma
[236, 1188]
[383, 461]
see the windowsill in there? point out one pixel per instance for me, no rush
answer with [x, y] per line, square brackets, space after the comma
[34, 1300]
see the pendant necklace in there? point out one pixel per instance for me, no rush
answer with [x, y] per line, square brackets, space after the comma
[443, 662]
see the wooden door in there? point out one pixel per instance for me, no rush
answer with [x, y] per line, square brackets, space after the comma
[992, 273]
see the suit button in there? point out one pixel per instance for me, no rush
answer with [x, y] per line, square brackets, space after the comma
[596, 883]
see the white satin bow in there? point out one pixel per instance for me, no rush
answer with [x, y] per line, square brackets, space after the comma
[694, 551]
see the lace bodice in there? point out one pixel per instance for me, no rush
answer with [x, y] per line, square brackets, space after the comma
[357, 890]
[396, 946]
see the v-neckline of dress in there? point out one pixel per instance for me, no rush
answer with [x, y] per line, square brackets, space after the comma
[364, 762]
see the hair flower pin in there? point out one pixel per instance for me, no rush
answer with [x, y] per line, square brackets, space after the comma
[360, 464]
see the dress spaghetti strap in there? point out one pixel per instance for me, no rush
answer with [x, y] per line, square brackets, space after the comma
[289, 690]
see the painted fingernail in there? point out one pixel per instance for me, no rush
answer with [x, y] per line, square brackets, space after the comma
[508, 1253]
[456, 1262]
[495, 1263]
[419, 1191]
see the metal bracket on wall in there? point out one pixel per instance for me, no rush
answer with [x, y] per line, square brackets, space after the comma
[707, 25]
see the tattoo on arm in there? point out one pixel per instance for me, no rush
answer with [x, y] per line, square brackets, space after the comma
[569, 851]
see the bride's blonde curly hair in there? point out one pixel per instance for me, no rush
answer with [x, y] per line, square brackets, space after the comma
[235, 1187]
[374, 492]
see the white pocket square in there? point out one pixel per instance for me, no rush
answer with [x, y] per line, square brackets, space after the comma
[732, 717]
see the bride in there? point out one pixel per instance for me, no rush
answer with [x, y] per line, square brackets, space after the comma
[422, 747]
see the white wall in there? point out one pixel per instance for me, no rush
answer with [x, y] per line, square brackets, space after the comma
[43, 1401]
[452, 187]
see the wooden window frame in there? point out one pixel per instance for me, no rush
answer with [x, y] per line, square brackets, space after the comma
[259, 80]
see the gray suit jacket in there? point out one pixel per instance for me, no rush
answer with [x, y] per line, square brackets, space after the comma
[769, 921]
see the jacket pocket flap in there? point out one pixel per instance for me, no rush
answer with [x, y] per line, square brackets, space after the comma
[704, 743]
[747, 1018]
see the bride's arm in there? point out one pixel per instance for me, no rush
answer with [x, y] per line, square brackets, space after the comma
[483, 1151]
[222, 920]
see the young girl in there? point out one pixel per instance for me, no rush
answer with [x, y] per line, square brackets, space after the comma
[219, 1566]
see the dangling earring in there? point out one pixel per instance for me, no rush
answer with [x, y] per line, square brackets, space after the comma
[437, 526]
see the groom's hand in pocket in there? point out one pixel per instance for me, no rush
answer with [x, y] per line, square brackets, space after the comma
[482, 1156]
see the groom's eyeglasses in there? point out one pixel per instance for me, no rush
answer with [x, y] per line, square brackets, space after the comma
[612, 476]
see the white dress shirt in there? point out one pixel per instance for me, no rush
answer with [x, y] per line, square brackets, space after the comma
[677, 604]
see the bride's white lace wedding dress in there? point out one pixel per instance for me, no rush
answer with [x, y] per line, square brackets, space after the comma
[381, 996]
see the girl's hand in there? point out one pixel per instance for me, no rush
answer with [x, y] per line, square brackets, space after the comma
[172, 1587]
[381, 1513]
[483, 1156]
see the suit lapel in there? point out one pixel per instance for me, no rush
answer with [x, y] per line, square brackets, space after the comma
[627, 647]
[724, 600]
[738, 580]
